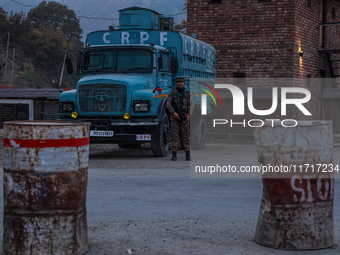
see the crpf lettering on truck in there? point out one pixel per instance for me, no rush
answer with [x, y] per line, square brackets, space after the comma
[239, 105]
[142, 37]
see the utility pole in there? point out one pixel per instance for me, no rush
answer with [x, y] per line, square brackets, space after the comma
[6, 58]
[62, 70]
[12, 76]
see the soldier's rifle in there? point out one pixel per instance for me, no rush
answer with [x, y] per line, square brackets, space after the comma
[182, 115]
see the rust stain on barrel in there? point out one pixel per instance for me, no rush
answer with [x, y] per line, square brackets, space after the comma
[296, 209]
[45, 190]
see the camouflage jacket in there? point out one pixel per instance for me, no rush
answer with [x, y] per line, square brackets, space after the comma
[187, 105]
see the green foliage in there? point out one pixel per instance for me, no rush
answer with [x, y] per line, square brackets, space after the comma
[47, 47]
[182, 27]
[3, 25]
[41, 39]
[55, 16]
[29, 75]
[18, 27]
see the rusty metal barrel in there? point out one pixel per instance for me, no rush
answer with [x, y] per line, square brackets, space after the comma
[296, 210]
[45, 182]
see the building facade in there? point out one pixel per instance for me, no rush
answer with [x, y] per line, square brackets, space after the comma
[275, 39]
[269, 38]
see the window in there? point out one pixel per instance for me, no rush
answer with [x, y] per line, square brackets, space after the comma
[239, 78]
[215, 2]
[309, 3]
[166, 24]
[133, 60]
[309, 77]
[130, 20]
[92, 60]
[333, 13]
[322, 73]
[166, 62]
[263, 1]
[117, 60]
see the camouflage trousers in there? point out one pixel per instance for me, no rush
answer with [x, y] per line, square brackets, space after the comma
[177, 129]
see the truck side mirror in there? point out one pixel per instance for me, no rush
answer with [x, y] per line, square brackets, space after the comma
[69, 65]
[174, 65]
[160, 63]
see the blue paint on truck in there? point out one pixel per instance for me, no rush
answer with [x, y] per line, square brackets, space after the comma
[126, 76]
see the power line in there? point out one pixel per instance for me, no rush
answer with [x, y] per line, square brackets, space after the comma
[27, 5]
[86, 17]
[175, 14]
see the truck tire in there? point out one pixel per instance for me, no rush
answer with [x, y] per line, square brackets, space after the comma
[198, 134]
[160, 138]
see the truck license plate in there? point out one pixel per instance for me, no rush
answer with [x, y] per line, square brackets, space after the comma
[143, 137]
[101, 133]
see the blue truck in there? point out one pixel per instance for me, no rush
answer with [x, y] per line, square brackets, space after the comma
[126, 75]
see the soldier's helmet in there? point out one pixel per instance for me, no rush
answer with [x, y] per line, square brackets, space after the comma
[180, 78]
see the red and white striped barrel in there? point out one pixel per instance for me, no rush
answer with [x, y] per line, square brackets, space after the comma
[45, 181]
[296, 209]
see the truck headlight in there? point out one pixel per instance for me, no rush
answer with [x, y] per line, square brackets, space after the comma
[67, 107]
[141, 107]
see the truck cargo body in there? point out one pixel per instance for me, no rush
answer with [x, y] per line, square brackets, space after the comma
[126, 76]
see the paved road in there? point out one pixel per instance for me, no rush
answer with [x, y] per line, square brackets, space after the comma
[152, 206]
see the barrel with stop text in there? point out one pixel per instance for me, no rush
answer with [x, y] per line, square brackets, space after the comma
[296, 209]
[45, 182]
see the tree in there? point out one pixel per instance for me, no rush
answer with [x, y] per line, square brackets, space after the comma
[29, 75]
[3, 23]
[47, 47]
[19, 28]
[3, 34]
[55, 16]
[182, 27]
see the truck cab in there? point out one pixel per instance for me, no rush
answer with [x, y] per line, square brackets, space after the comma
[126, 76]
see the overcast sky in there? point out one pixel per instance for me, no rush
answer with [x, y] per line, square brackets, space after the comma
[100, 9]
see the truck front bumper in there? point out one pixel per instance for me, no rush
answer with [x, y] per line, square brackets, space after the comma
[129, 131]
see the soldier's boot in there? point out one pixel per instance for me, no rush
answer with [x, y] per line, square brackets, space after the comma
[174, 156]
[187, 155]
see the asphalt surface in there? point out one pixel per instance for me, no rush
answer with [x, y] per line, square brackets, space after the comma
[152, 206]
[138, 204]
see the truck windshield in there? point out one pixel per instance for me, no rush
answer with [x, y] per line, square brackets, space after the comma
[117, 60]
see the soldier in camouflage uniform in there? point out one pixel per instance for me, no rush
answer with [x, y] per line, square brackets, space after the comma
[184, 101]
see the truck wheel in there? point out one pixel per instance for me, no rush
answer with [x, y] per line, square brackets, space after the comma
[198, 134]
[161, 138]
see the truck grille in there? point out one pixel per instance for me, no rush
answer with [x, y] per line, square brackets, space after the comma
[102, 97]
